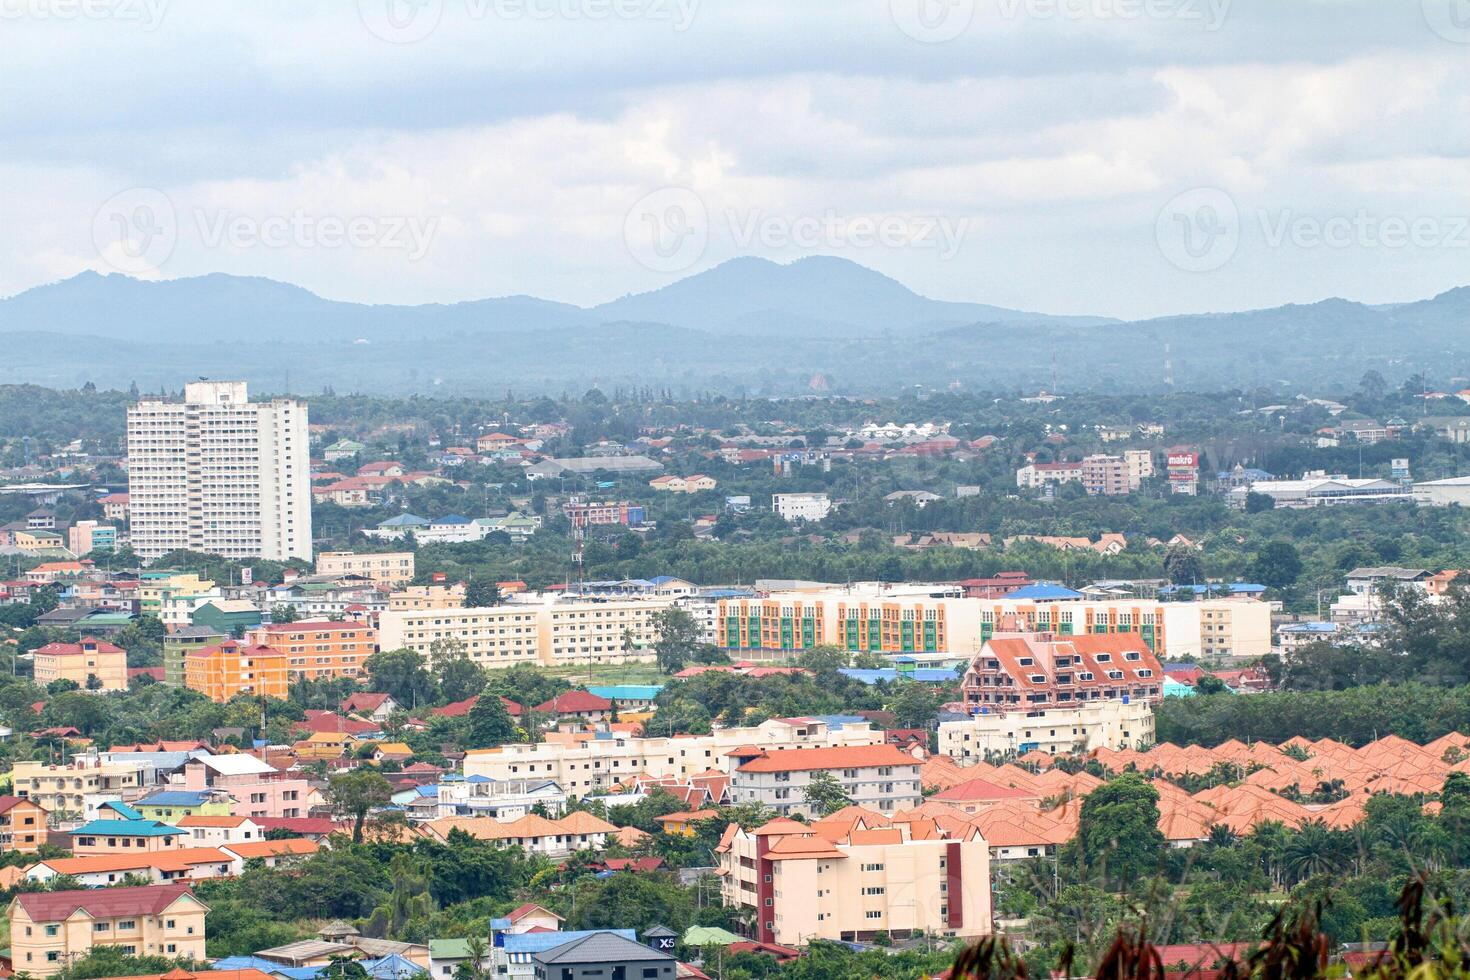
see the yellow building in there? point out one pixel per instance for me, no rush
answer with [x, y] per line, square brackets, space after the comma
[51, 930]
[681, 824]
[390, 568]
[154, 588]
[427, 597]
[91, 664]
[232, 668]
[61, 789]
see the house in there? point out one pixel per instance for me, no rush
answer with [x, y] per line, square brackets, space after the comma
[160, 867]
[604, 954]
[271, 853]
[113, 836]
[577, 706]
[682, 823]
[22, 824]
[171, 806]
[376, 707]
[50, 930]
[577, 831]
[218, 830]
[919, 498]
[532, 917]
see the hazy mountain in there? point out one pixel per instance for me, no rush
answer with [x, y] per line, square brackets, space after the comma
[814, 296]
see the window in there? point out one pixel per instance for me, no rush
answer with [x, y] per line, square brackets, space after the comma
[873, 915]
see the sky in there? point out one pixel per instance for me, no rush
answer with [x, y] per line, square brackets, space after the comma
[1129, 158]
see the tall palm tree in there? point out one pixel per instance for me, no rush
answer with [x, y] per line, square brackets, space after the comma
[1312, 850]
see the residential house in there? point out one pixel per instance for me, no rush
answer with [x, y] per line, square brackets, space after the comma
[22, 824]
[604, 954]
[577, 831]
[51, 930]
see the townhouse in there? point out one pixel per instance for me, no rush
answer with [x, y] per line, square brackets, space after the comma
[877, 777]
[159, 867]
[50, 930]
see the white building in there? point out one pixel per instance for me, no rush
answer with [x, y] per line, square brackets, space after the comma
[219, 474]
[1442, 493]
[801, 506]
[883, 778]
[1112, 723]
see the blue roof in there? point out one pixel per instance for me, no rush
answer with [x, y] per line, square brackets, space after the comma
[627, 692]
[1326, 629]
[1044, 590]
[127, 828]
[1234, 588]
[127, 812]
[453, 519]
[268, 966]
[404, 520]
[926, 675]
[662, 579]
[1177, 689]
[176, 797]
[833, 721]
[540, 942]
[391, 967]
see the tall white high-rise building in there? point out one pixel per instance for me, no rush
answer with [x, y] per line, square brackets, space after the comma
[219, 474]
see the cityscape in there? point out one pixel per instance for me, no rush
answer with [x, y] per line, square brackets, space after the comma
[783, 600]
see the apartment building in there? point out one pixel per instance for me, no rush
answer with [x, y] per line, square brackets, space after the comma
[1026, 672]
[545, 630]
[104, 871]
[1037, 475]
[793, 507]
[62, 789]
[877, 777]
[1105, 476]
[1218, 628]
[1112, 723]
[1140, 465]
[603, 513]
[91, 664]
[580, 764]
[180, 643]
[319, 649]
[233, 668]
[51, 930]
[219, 474]
[391, 569]
[155, 588]
[857, 875]
[85, 537]
[420, 597]
[22, 825]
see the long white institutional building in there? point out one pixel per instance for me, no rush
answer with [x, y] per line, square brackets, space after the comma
[219, 474]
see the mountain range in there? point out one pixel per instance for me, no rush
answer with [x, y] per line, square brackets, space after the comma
[820, 323]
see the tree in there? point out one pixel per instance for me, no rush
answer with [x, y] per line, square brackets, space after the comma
[914, 705]
[355, 794]
[1118, 829]
[458, 676]
[1373, 386]
[1277, 565]
[824, 794]
[489, 722]
[679, 638]
[1183, 565]
[1258, 503]
[283, 613]
[401, 673]
[482, 592]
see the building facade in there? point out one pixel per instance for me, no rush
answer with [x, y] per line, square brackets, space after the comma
[233, 668]
[90, 663]
[877, 777]
[50, 930]
[793, 507]
[219, 474]
[393, 568]
[319, 649]
[1027, 672]
[1111, 723]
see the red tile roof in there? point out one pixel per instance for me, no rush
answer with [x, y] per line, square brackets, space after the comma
[101, 903]
[571, 702]
[843, 757]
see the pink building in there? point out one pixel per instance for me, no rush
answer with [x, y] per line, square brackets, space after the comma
[259, 788]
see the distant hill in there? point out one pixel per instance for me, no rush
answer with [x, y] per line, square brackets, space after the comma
[819, 318]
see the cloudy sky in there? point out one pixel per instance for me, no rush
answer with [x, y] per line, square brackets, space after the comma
[1123, 157]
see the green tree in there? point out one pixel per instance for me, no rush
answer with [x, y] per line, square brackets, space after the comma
[457, 676]
[824, 794]
[356, 794]
[402, 674]
[281, 613]
[1118, 833]
[914, 705]
[678, 638]
[1183, 565]
[490, 723]
[1277, 565]
[481, 592]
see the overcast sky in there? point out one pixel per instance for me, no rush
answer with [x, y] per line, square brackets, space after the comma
[1123, 157]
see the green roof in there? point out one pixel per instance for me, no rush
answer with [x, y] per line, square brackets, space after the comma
[449, 949]
[710, 936]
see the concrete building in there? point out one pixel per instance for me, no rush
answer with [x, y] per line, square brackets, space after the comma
[1218, 628]
[219, 474]
[85, 537]
[1140, 466]
[1443, 493]
[601, 955]
[1027, 672]
[90, 663]
[877, 777]
[1037, 475]
[233, 668]
[1114, 723]
[51, 930]
[855, 875]
[533, 629]
[793, 507]
[319, 649]
[392, 568]
[22, 824]
[581, 764]
[418, 597]
[178, 644]
[63, 789]
[1320, 490]
[1106, 476]
[577, 831]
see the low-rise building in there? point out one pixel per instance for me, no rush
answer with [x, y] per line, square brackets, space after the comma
[604, 954]
[64, 788]
[91, 664]
[392, 568]
[51, 930]
[877, 777]
[419, 597]
[857, 875]
[233, 668]
[793, 507]
[577, 831]
[159, 867]
[1113, 723]
[22, 824]
[125, 835]
[1035, 476]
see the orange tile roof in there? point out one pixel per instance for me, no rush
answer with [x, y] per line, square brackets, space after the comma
[842, 757]
[274, 848]
[180, 859]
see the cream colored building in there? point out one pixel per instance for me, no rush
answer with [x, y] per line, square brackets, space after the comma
[541, 630]
[220, 474]
[63, 788]
[418, 597]
[1058, 731]
[51, 930]
[856, 875]
[91, 664]
[1218, 628]
[391, 568]
[588, 764]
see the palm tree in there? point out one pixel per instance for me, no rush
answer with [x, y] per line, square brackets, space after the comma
[1221, 835]
[1312, 850]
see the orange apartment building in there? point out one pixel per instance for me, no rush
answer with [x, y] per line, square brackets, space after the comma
[232, 668]
[319, 649]
[22, 824]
